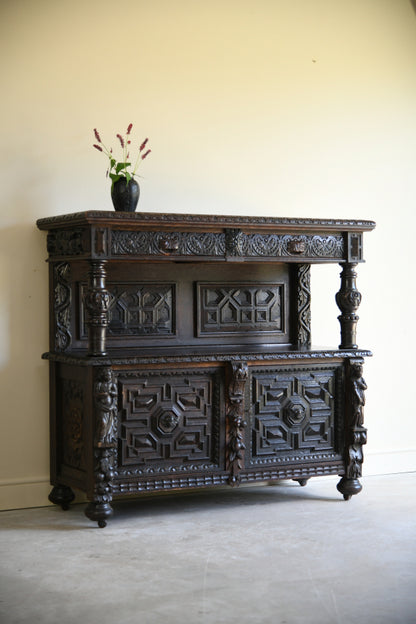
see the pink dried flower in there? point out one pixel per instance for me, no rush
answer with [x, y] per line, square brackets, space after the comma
[120, 169]
[143, 145]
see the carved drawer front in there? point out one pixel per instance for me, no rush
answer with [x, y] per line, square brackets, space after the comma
[296, 414]
[170, 421]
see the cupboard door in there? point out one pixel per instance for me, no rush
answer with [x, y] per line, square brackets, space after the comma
[296, 414]
[170, 421]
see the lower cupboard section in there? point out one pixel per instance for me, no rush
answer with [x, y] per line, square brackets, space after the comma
[229, 424]
[125, 430]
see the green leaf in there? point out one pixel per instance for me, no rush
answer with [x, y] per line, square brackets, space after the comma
[128, 177]
[121, 166]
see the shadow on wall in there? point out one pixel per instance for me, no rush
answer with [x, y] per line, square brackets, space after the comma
[23, 339]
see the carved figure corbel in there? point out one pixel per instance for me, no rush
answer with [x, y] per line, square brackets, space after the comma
[105, 443]
[356, 433]
[235, 421]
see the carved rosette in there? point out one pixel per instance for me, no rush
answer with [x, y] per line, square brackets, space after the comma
[235, 421]
[105, 444]
[304, 305]
[356, 432]
[62, 306]
[348, 300]
[97, 301]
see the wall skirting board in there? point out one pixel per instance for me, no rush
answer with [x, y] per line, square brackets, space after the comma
[33, 492]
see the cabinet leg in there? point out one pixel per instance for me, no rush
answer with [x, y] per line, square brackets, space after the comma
[349, 487]
[61, 495]
[302, 482]
[99, 512]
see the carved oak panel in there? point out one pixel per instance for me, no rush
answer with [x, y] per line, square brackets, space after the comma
[73, 398]
[169, 421]
[295, 413]
[138, 310]
[240, 308]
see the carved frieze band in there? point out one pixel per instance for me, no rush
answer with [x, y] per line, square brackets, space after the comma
[235, 421]
[62, 306]
[71, 242]
[232, 242]
[357, 433]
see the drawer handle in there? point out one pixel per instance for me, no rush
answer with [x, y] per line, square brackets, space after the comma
[297, 246]
[168, 245]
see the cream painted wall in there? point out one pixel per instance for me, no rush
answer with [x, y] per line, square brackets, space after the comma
[301, 108]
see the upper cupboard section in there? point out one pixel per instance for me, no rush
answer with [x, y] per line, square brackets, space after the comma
[178, 304]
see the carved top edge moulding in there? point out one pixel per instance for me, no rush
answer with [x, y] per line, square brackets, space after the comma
[143, 220]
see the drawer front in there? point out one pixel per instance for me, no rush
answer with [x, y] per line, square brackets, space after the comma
[170, 421]
[295, 414]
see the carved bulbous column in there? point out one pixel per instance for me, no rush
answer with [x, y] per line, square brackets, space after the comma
[97, 301]
[348, 300]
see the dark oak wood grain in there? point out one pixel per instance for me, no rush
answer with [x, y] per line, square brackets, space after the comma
[181, 354]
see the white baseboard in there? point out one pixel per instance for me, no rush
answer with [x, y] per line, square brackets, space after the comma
[33, 492]
[25, 493]
[389, 462]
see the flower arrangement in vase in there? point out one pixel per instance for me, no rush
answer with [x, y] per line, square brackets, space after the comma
[125, 190]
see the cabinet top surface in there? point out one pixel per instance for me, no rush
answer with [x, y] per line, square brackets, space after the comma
[148, 220]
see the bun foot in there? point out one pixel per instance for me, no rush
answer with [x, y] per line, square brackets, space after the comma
[99, 512]
[349, 487]
[61, 495]
[302, 482]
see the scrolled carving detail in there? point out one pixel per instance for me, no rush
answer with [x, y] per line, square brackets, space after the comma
[62, 306]
[304, 304]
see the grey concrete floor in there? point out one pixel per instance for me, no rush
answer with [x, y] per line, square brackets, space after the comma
[279, 555]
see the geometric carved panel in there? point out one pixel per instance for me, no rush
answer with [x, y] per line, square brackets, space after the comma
[293, 413]
[140, 310]
[169, 419]
[72, 414]
[240, 308]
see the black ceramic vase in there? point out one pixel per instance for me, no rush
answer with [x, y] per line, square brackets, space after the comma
[125, 195]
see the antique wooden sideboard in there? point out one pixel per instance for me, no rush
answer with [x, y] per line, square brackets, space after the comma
[180, 354]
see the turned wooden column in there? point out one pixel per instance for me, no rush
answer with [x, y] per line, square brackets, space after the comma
[348, 300]
[97, 301]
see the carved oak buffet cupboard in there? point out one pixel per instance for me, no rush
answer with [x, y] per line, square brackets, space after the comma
[180, 354]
